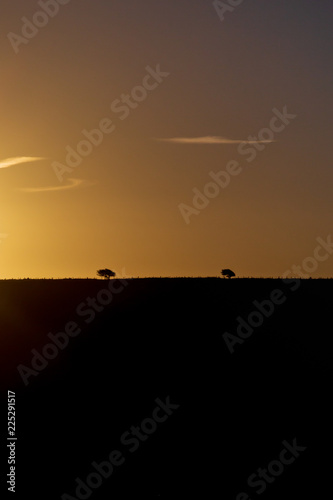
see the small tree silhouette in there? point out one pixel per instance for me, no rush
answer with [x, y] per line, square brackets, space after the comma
[106, 273]
[227, 273]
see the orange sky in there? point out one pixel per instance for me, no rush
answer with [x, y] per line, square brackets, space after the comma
[144, 76]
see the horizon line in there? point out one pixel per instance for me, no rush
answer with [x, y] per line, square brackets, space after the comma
[168, 277]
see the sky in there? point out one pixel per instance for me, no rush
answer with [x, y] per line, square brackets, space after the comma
[165, 138]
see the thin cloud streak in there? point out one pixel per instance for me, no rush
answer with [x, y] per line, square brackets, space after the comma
[74, 183]
[17, 160]
[210, 140]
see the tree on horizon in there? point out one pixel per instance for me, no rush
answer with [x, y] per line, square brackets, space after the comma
[227, 273]
[106, 273]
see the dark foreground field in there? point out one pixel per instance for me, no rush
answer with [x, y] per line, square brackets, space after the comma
[151, 376]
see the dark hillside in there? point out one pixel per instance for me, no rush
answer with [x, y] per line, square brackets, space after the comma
[160, 339]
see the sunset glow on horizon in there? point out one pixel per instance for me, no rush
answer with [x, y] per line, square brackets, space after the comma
[160, 140]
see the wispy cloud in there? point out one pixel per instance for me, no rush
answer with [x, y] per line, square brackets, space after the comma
[17, 160]
[73, 183]
[211, 139]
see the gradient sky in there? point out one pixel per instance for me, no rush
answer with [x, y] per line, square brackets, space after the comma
[120, 207]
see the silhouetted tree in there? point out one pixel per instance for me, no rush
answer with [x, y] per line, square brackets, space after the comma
[106, 273]
[228, 273]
